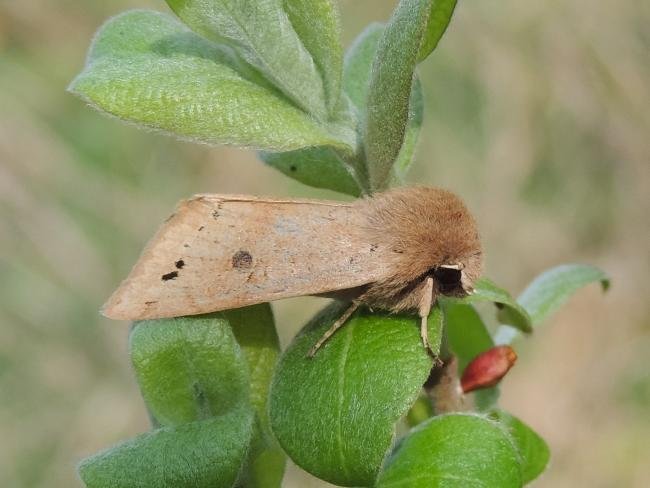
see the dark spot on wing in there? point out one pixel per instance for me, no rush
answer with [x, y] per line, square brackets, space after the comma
[180, 263]
[215, 213]
[170, 276]
[242, 260]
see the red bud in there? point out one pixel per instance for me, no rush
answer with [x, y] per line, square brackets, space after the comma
[487, 369]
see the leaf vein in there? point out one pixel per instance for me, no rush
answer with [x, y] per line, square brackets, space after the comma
[341, 393]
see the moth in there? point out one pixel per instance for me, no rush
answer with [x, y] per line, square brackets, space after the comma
[397, 251]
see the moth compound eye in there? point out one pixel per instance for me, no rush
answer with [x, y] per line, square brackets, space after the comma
[448, 278]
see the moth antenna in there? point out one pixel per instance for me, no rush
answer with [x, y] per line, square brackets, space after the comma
[335, 326]
[426, 303]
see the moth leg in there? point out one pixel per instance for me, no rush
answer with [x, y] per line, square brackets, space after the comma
[426, 302]
[335, 326]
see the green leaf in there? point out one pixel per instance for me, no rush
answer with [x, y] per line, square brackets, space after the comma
[189, 368]
[550, 290]
[435, 329]
[457, 450]
[261, 32]
[510, 312]
[317, 24]
[147, 68]
[254, 329]
[356, 80]
[467, 337]
[407, 151]
[320, 167]
[194, 368]
[335, 414]
[533, 450]
[439, 18]
[420, 411]
[202, 454]
[358, 65]
[390, 87]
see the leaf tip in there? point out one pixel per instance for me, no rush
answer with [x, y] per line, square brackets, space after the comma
[605, 283]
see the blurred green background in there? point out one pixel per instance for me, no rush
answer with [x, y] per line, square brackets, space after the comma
[537, 113]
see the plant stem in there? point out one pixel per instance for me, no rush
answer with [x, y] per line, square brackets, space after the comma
[443, 388]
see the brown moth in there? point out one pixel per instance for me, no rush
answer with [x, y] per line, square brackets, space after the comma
[396, 251]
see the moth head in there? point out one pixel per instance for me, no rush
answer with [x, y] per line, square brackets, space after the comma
[455, 279]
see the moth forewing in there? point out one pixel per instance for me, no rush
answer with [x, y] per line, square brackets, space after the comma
[219, 252]
[395, 251]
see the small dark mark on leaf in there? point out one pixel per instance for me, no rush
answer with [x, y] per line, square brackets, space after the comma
[292, 168]
[242, 260]
[170, 276]
[180, 263]
[201, 400]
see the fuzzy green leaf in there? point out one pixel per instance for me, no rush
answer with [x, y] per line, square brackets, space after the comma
[189, 368]
[202, 454]
[335, 414]
[439, 18]
[390, 87]
[467, 337]
[254, 329]
[320, 167]
[358, 70]
[317, 24]
[550, 290]
[510, 312]
[261, 32]
[407, 152]
[533, 450]
[421, 411]
[147, 68]
[358, 65]
[325, 166]
[449, 451]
